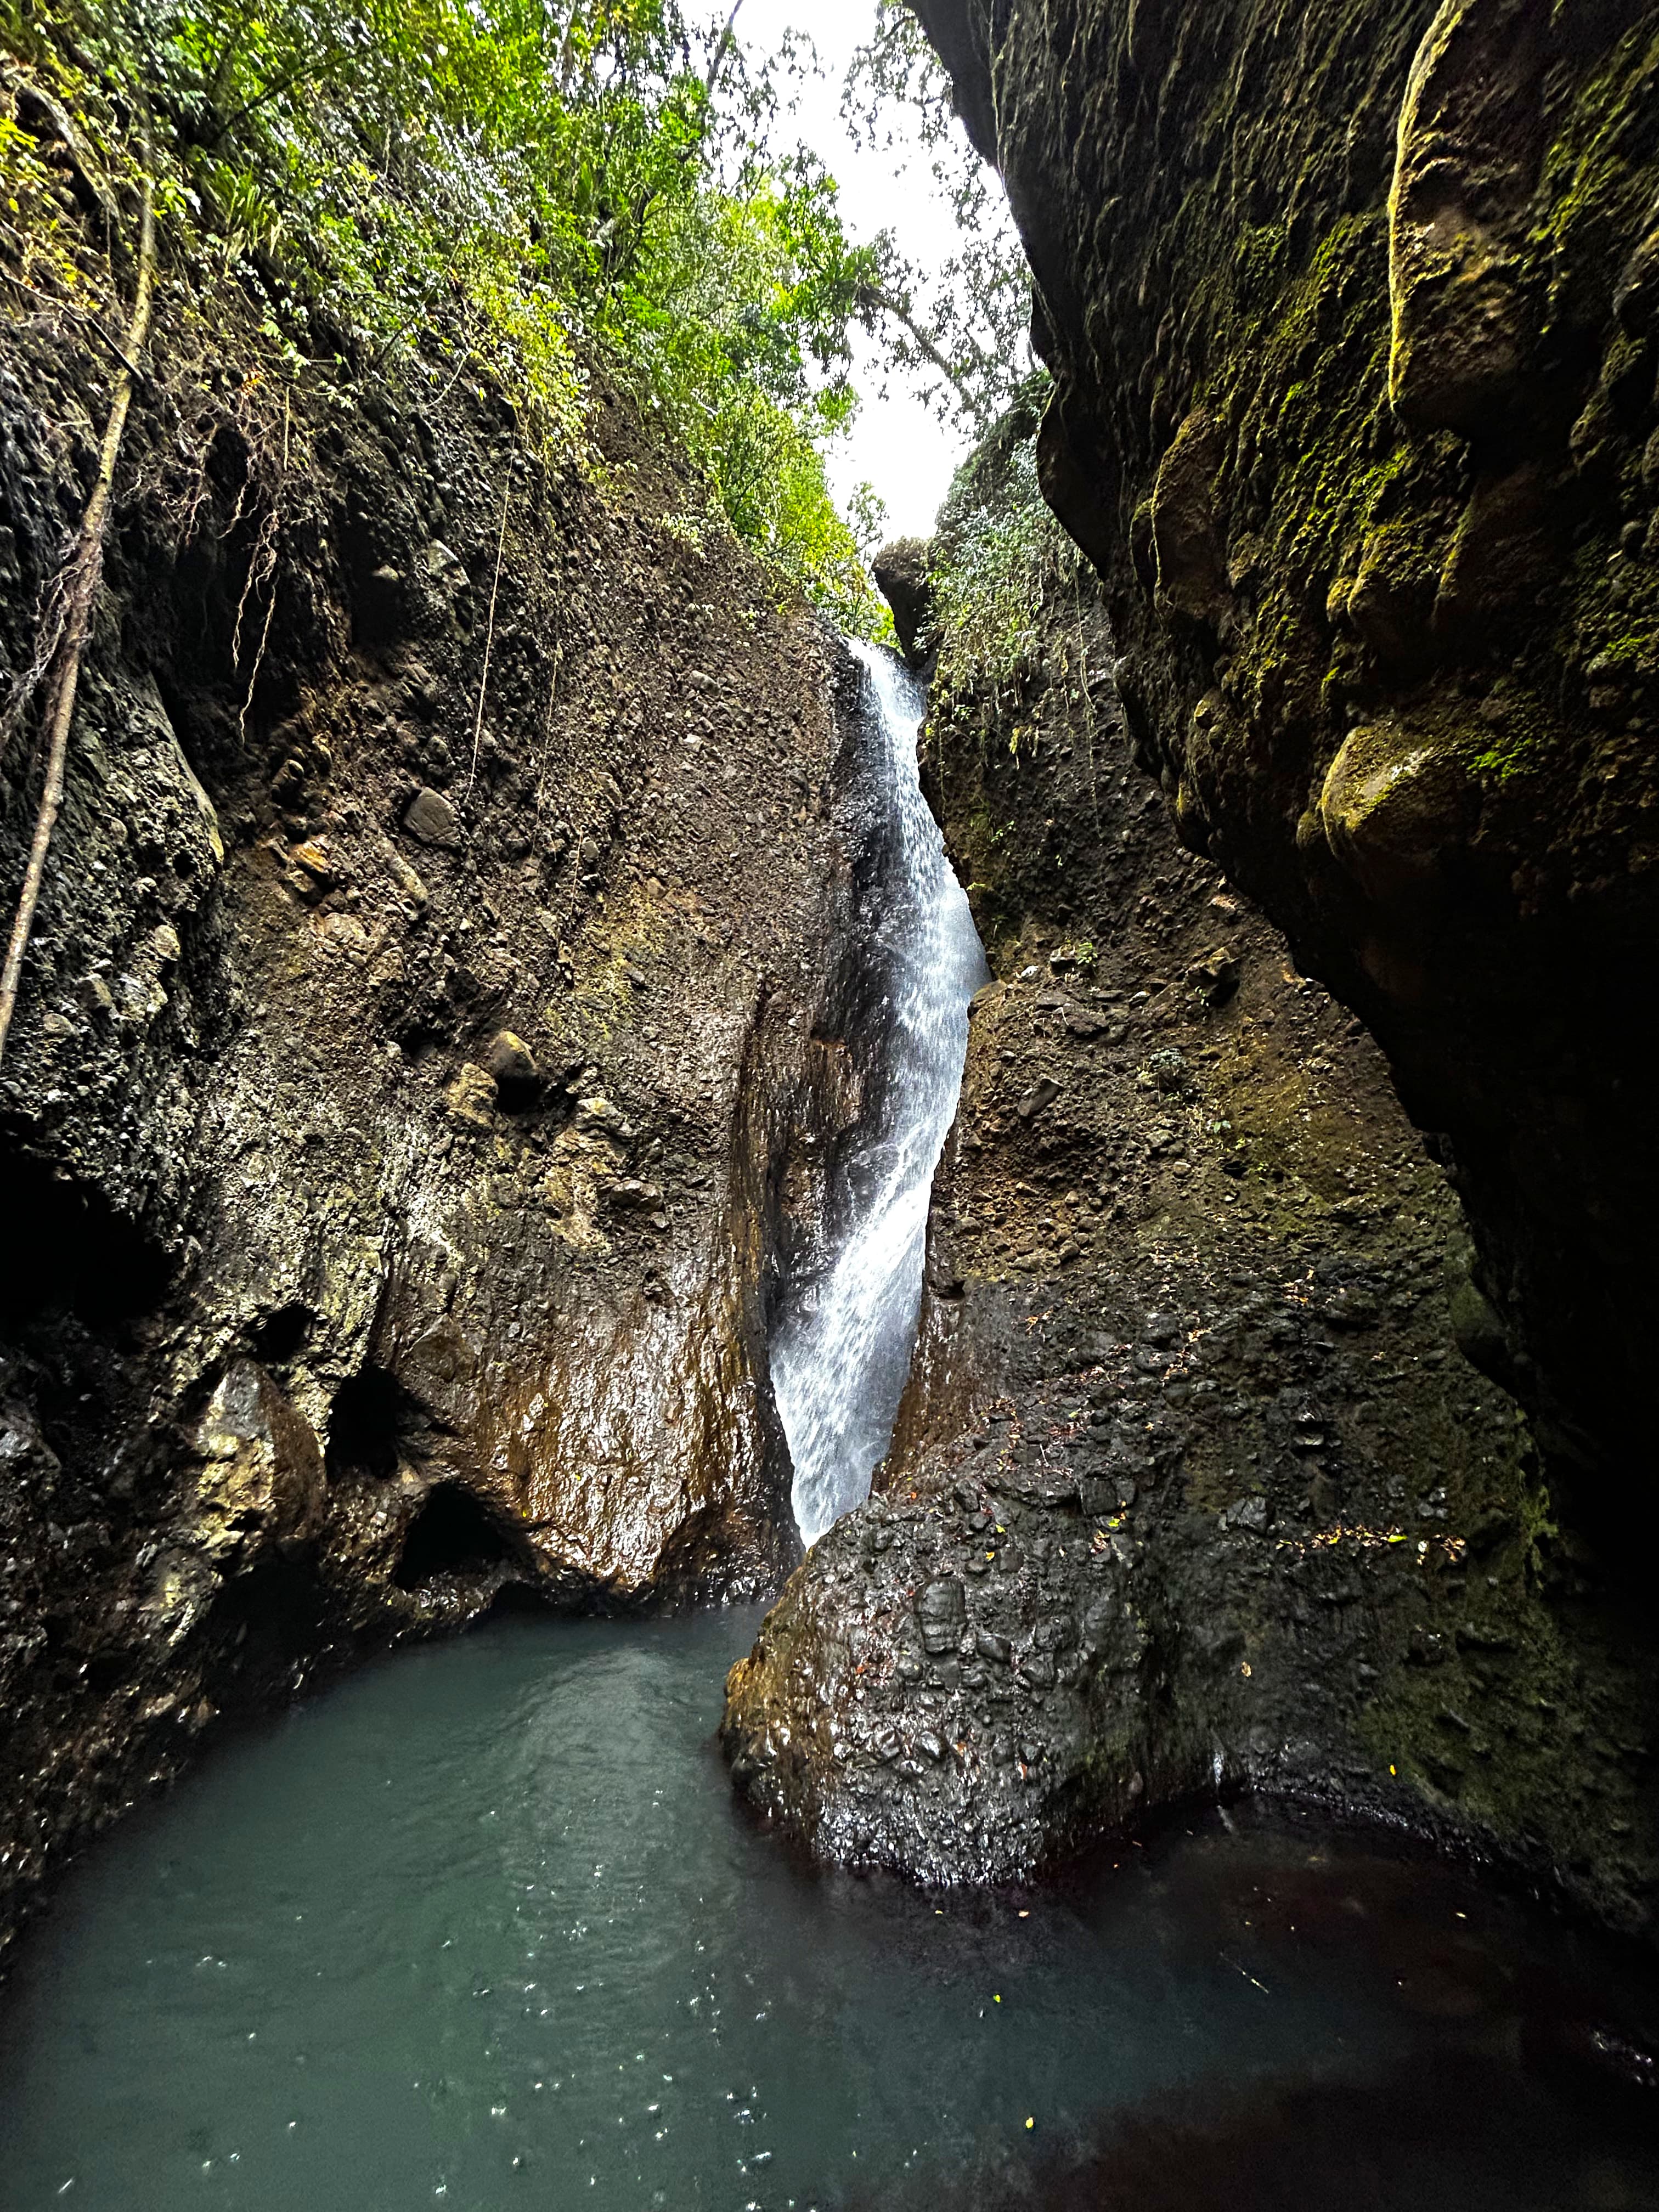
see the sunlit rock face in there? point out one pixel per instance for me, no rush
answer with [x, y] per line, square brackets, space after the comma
[1352, 320]
[415, 1080]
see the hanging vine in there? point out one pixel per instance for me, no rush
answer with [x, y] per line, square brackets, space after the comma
[68, 621]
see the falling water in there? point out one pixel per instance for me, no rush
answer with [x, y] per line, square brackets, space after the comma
[841, 1352]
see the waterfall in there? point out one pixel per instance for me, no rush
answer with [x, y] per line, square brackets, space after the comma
[841, 1350]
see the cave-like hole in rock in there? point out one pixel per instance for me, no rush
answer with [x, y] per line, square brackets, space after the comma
[372, 1422]
[418, 1042]
[521, 1602]
[270, 1617]
[282, 1336]
[74, 1254]
[456, 1533]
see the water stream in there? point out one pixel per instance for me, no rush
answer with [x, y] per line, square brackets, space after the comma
[485, 1927]
[841, 1350]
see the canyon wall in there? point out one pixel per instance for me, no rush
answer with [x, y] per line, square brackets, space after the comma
[1199, 1483]
[1351, 313]
[415, 1083]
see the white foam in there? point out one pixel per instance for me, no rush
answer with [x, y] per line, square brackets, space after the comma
[840, 1358]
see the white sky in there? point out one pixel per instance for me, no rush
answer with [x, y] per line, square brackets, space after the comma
[896, 444]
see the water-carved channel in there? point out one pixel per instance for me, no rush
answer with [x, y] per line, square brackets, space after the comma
[486, 1926]
[841, 1351]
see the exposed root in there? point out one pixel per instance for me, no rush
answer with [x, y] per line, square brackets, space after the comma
[54, 612]
[261, 571]
[79, 589]
[490, 635]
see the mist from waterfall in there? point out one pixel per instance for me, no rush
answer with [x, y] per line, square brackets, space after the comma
[841, 1351]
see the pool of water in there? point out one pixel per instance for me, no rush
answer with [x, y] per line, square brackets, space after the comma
[484, 1927]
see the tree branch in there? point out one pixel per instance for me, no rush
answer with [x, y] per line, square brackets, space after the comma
[877, 298]
[721, 49]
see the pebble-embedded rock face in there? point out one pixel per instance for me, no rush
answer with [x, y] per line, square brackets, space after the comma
[1352, 316]
[1197, 1483]
[414, 1076]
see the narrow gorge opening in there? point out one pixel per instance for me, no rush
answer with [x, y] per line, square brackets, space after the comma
[719, 1644]
[841, 1346]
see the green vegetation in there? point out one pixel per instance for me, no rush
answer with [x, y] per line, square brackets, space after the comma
[999, 563]
[540, 189]
[1020, 645]
[963, 329]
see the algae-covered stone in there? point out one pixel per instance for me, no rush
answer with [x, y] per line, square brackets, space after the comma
[510, 1062]
[1391, 807]
[901, 573]
[631, 1192]
[261, 1483]
[1502, 556]
[1191, 574]
[1469, 131]
[472, 1096]
[1393, 593]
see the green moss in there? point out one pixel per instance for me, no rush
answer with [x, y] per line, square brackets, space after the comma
[1597, 178]
[1521, 746]
[1626, 655]
[1259, 263]
[1311, 364]
[1538, 1528]
[1499, 764]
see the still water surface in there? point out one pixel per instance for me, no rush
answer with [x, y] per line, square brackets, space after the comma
[484, 1927]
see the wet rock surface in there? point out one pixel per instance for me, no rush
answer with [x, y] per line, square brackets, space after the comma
[414, 1074]
[1197, 1483]
[1351, 324]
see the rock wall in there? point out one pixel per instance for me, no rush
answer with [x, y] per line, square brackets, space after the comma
[1352, 314]
[416, 1070]
[1196, 1486]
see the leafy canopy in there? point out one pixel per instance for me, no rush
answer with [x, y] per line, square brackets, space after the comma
[540, 184]
[961, 330]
